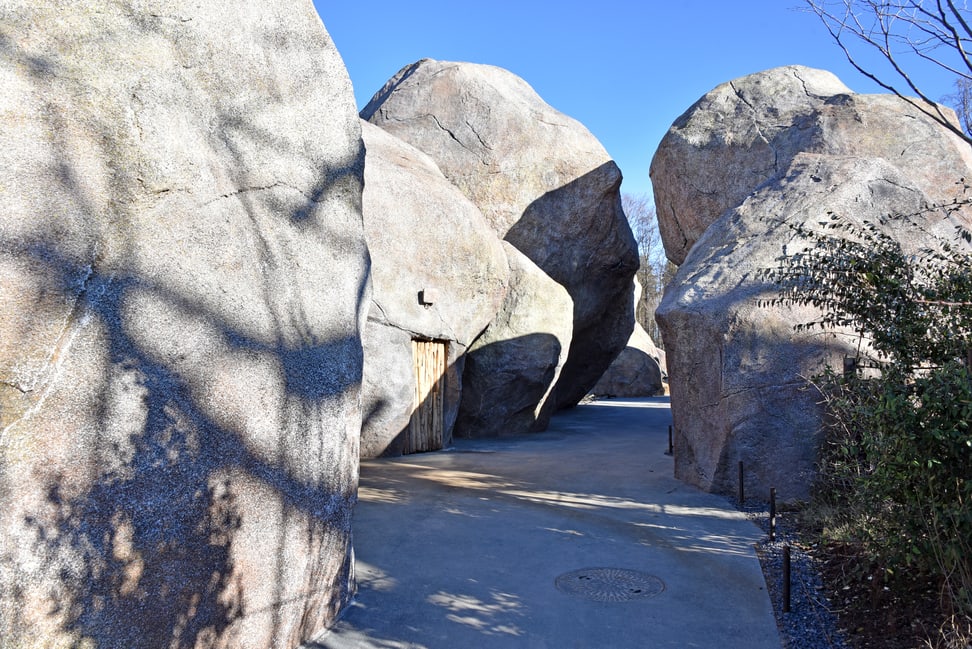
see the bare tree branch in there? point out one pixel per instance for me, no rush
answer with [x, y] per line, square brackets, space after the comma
[652, 274]
[941, 36]
[961, 101]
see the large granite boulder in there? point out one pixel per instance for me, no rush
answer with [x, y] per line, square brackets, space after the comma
[511, 369]
[745, 133]
[184, 280]
[542, 181]
[737, 368]
[439, 273]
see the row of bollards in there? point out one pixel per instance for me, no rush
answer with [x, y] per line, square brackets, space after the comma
[772, 535]
[772, 523]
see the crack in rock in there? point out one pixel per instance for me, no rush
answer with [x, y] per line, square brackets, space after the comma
[17, 387]
[759, 127]
[247, 190]
[451, 134]
[806, 90]
[478, 136]
[75, 322]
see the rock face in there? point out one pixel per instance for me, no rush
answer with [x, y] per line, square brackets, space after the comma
[511, 369]
[184, 280]
[542, 181]
[637, 371]
[424, 236]
[746, 132]
[737, 370]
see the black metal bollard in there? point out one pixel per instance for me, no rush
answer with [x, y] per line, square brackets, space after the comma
[850, 366]
[786, 579]
[742, 490]
[772, 513]
[671, 446]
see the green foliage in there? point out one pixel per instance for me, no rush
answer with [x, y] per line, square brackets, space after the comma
[898, 467]
[909, 309]
[896, 471]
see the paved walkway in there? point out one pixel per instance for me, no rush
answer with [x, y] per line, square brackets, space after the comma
[498, 543]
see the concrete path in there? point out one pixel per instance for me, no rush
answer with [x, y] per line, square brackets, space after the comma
[498, 543]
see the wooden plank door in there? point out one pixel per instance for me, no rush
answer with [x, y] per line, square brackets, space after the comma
[425, 428]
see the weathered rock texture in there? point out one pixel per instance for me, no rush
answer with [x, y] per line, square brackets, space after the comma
[542, 181]
[511, 369]
[424, 236]
[737, 370]
[746, 132]
[184, 275]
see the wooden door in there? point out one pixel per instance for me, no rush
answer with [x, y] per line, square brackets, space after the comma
[425, 428]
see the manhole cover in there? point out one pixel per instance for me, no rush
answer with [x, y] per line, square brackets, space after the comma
[610, 584]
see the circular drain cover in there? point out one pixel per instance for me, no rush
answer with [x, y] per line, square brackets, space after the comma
[610, 584]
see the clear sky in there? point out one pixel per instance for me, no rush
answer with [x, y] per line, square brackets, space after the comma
[626, 69]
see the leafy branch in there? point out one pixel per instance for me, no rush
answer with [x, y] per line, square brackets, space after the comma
[896, 466]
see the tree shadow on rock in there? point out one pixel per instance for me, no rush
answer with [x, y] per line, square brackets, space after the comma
[130, 534]
[145, 548]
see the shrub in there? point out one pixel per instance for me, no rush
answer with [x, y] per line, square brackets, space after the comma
[896, 469]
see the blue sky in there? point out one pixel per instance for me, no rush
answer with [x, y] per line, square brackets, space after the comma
[625, 69]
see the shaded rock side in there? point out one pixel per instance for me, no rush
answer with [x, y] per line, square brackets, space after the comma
[184, 281]
[737, 370]
[636, 372]
[746, 132]
[638, 369]
[511, 369]
[542, 181]
[425, 237]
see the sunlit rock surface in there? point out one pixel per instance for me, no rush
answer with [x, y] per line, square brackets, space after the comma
[795, 152]
[511, 369]
[183, 278]
[745, 133]
[425, 237]
[542, 181]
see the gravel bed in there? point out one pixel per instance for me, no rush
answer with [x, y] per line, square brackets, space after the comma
[810, 622]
